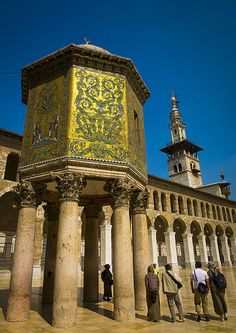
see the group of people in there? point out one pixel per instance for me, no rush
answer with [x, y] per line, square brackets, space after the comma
[201, 283]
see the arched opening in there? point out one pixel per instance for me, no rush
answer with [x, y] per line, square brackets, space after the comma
[214, 212]
[208, 230]
[203, 211]
[224, 214]
[161, 226]
[195, 208]
[228, 215]
[189, 207]
[180, 167]
[218, 213]
[156, 200]
[163, 202]
[179, 228]
[195, 230]
[181, 205]
[173, 203]
[149, 223]
[208, 213]
[234, 215]
[230, 234]
[219, 233]
[11, 167]
[175, 169]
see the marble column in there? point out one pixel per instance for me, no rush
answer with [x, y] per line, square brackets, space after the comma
[106, 246]
[124, 304]
[90, 291]
[215, 250]
[38, 243]
[22, 268]
[152, 235]
[188, 250]
[64, 315]
[225, 250]
[202, 248]
[233, 248]
[141, 251]
[52, 215]
[171, 249]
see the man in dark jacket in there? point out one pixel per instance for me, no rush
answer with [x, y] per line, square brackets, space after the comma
[108, 282]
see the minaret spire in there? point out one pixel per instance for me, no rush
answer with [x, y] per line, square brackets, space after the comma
[177, 127]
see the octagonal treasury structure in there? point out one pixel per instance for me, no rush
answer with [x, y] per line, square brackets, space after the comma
[84, 114]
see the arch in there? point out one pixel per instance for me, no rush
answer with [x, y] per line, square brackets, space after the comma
[161, 226]
[180, 167]
[195, 228]
[12, 166]
[195, 231]
[156, 200]
[224, 214]
[173, 203]
[203, 211]
[218, 213]
[175, 168]
[181, 205]
[208, 230]
[179, 228]
[208, 213]
[229, 232]
[214, 212]
[189, 207]
[163, 202]
[228, 215]
[195, 208]
[219, 231]
[233, 215]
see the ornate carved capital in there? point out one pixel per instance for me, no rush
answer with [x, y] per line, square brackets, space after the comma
[120, 190]
[27, 194]
[92, 210]
[51, 211]
[70, 185]
[139, 202]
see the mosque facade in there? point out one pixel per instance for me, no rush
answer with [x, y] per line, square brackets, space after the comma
[75, 194]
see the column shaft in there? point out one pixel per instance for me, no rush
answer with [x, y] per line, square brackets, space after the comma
[171, 249]
[141, 258]
[188, 250]
[202, 248]
[22, 268]
[152, 235]
[106, 247]
[66, 268]
[233, 248]
[215, 250]
[225, 251]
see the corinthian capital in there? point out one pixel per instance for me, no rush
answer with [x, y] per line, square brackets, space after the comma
[120, 190]
[70, 185]
[27, 194]
[139, 202]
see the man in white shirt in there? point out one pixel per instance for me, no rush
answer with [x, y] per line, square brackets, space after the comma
[199, 276]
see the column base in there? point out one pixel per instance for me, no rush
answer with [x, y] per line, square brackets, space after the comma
[190, 265]
[37, 272]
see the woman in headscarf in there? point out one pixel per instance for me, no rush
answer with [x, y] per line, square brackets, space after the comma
[217, 291]
[152, 294]
[108, 282]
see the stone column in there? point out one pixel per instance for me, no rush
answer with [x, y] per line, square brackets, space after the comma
[66, 269]
[106, 247]
[225, 251]
[141, 251]
[171, 249]
[79, 238]
[188, 250]
[52, 214]
[22, 268]
[38, 243]
[202, 248]
[124, 305]
[233, 248]
[215, 249]
[91, 254]
[152, 235]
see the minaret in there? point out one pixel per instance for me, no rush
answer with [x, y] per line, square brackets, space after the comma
[183, 163]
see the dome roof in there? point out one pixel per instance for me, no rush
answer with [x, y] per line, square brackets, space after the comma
[94, 48]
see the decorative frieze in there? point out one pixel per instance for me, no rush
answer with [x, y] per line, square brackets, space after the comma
[70, 185]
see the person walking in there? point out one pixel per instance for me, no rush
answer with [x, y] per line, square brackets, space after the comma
[199, 282]
[152, 294]
[217, 286]
[108, 282]
[171, 283]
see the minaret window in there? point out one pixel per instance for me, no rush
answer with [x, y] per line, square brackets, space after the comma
[175, 169]
[180, 167]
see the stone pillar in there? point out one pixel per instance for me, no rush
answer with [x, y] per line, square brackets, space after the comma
[66, 269]
[52, 214]
[225, 251]
[152, 235]
[171, 249]
[38, 243]
[124, 305]
[141, 251]
[106, 247]
[215, 249]
[22, 268]
[202, 248]
[91, 254]
[233, 248]
[79, 238]
[188, 250]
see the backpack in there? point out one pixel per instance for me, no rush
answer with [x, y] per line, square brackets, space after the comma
[219, 280]
[152, 284]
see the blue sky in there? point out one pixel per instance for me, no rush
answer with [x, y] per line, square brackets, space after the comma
[188, 46]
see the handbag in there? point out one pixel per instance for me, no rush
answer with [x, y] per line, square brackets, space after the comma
[201, 287]
[179, 284]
